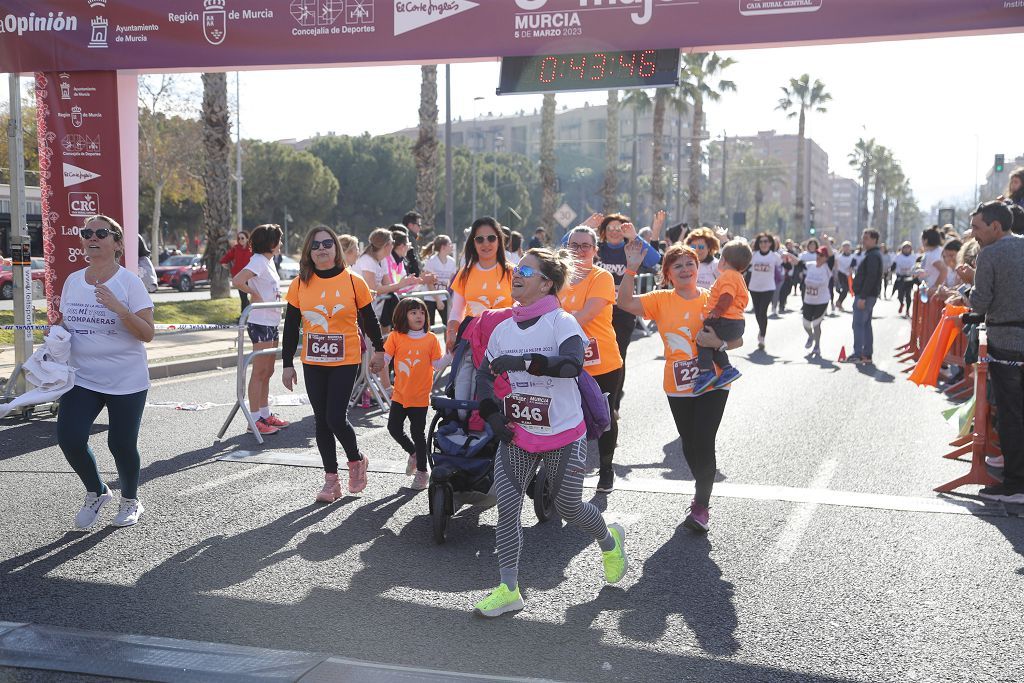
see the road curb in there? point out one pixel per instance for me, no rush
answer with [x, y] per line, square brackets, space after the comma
[189, 366]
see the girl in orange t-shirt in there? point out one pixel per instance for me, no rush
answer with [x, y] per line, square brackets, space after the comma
[589, 297]
[679, 313]
[417, 354]
[485, 281]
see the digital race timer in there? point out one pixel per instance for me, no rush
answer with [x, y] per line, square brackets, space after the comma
[589, 71]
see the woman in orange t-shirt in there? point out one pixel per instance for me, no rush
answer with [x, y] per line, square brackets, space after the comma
[485, 281]
[679, 313]
[330, 303]
[589, 297]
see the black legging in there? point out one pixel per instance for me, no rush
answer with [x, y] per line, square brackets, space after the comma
[904, 291]
[329, 389]
[762, 300]
[623, 323]
[243, 297]
[697, 419]
[843, 285]
[610, 382]
[417, 428]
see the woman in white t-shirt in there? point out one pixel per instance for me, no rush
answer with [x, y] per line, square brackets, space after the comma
[762, 281]
[817, 277]
[260, 281]
[110, 316]
[906, 263]
[539, 349]
[933, 268]
[706, 244]
[373, 268]
[442, 266]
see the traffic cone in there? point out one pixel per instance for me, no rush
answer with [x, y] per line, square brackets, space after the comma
[842, 354]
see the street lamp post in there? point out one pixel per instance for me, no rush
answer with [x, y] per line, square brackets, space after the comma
[449, 184]
[472, 158]
[498, 146]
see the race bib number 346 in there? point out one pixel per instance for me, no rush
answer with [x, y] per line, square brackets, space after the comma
[325, 348]
[528, 410]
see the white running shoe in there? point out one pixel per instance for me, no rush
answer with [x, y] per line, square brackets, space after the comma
[994, 461]
[86, 517]
[129, 513]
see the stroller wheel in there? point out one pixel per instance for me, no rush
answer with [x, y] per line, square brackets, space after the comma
[439, 513]
[543, 501]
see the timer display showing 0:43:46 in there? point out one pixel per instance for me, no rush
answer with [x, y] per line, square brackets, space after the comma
[598, 66]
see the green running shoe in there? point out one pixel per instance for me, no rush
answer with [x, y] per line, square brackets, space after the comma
[615, 562]
[500, 600]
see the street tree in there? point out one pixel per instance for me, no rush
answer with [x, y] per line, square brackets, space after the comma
[860, 158]
[881, 172]
[30, 147]
[798, 98]
[216, 121]
[756, 172]
[610, 187]
[664, 99]
[549, 196]
[426, 148]
[638, 101]
[700, 81]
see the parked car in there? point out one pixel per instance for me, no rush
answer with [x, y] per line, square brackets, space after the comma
[7, 279]
[183, 272]
[288, 269]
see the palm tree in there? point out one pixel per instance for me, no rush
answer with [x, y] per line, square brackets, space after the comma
[638, 101]
[425, 150]
[547, 162]
[758, 171]
[697, 82]
[881, 164]
[216, 122]
[663, 99]
[802, 96]
[611, 154]
[860, 159]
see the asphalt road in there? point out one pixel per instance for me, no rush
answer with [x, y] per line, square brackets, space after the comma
[778, 591]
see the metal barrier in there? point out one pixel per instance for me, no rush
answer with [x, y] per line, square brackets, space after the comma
[244, 360]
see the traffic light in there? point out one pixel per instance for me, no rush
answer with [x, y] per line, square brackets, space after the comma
[814, 231]
[1000, 163]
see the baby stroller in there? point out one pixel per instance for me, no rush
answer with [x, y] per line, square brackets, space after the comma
[461, 457]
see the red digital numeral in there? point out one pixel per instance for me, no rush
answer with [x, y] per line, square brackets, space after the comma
[580, 67]
[647, 64]
[548, 69]
[630, 65]
[598, 64]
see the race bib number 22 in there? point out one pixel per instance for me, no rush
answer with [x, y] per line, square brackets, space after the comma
[685, 373]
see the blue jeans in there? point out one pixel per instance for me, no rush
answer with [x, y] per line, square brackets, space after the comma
[863, 337]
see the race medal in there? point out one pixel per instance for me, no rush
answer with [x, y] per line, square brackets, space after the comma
[529, 410]
[685, 372]
[325, 348]
[592, 354]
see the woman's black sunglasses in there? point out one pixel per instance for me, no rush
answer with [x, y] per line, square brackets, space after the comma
[480, 239]
[321, 244]
[102, 233]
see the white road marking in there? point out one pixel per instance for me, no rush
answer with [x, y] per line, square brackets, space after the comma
[800, 519]
[226, 479]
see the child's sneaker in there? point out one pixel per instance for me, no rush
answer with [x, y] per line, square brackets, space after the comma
[86, 517]
[410, 464]
[420, 481]
[697, 519]
[331, 490]
[728, 376]
[500, 601]
[705, 380]
[129, 513]
[615, 562]
[275, 421]
[357, 474]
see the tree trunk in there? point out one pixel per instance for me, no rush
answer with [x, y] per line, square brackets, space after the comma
[549, 196]
[879, 195]
[158, 193]
[216, 180]
[758, 198]
[657, 152]
[425, 150]
[693, 198]
[633, 170]
[865, 182]
[798, 209]
[611, 155]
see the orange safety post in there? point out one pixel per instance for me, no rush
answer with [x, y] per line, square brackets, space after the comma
[979, 446]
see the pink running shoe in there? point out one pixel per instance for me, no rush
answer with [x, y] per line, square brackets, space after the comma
[697, 519]
[331, 490]
[410, 465]
[264, 427]
[357, 474]
[420, 481]
[275, 421]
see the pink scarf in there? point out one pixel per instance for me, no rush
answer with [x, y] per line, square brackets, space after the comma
[538, 308]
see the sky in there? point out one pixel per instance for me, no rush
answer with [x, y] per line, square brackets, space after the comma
[916, 97]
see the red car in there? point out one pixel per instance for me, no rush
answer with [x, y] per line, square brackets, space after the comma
[7, 279]
[183, 272]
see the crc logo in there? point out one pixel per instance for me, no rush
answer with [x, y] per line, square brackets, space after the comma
[83, 203]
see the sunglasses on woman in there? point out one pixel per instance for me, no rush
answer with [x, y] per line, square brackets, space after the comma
[321, 244]
[526, 271]
[480, 239]
[102, 233]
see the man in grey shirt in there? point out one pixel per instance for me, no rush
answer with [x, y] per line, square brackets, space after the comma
[999, 295]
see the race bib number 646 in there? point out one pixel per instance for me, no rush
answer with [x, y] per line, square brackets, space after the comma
[325, 348]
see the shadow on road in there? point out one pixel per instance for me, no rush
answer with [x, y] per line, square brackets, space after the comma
[823, 363]
[22, 437]
[762, 357]
[875, 373]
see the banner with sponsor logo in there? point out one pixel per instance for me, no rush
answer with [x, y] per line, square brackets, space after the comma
[80, 166]
[55, 35]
